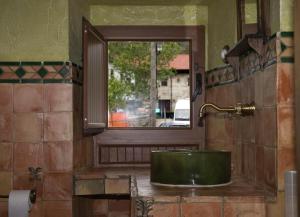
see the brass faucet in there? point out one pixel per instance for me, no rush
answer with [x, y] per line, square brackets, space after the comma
[238, 109]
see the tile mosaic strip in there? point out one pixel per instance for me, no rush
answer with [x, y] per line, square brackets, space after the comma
[279, 48]
[40, 72]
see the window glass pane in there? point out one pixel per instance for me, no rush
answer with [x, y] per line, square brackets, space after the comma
[148, 84]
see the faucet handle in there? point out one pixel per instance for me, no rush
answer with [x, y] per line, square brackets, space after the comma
[245, 109]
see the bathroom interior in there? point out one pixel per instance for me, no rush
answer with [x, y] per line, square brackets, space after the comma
[58, 139]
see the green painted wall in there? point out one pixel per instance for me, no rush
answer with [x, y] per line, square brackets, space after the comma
[149, 15]
[34, 30]
[286, 15]
[221, 29]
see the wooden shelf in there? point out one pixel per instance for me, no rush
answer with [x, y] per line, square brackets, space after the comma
[251, 41]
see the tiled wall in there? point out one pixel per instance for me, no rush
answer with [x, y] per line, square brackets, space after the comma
[39, 124]
[262, 145]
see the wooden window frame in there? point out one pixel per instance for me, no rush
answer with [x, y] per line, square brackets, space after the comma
[193, 135]
[263, 19]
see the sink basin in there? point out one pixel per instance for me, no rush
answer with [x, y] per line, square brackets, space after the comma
[189, 168]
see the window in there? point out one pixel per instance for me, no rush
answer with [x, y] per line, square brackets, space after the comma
[164, 83]
[194, 40]
[134, 91]
[253, 17]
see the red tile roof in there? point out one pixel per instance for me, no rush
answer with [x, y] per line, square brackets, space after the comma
[180, 62]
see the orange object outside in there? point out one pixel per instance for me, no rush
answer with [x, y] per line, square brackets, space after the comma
[118, 119]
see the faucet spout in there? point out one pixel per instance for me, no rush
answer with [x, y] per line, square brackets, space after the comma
[238, 109]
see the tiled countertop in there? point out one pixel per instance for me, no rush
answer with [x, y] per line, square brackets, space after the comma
[141, 186]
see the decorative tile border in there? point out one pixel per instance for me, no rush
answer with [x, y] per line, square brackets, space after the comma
[278, 49]
[40, 72]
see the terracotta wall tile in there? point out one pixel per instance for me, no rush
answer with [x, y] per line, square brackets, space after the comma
[259, 89]
[57, 208]
[28, 127]
[286, 161]
[259, 127]
[244, 209]
[6, 156]
[3, 208]
[28, 97]
[100, 207]
[58, 97]
[269, 84]
[23, 181]
[119, 206]
[27, 155]
[58, 126]
[201, 209]
[165, 210]
[6, 127]
[286, 84]
[57, 186]
[6, 183]
[37, 210]
[286, 127]
[117, 186]
[6, 98]
[58, 156]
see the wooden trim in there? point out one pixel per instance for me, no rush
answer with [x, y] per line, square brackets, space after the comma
[196, 34]
[297, 90]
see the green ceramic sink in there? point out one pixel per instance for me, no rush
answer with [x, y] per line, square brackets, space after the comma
[188, 168]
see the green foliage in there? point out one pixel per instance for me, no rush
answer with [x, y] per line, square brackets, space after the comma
[132, 61]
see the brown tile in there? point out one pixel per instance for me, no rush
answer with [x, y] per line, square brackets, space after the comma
[244, 209]
[57, 208]
[259, 127]
[28, 127]
[117, 186]
[286, 84]
[37, 209]
[244, 199]
[6, 127]
[259, 164]
[6, 183]
[58, 156]
[270, 127]
[28, 97]
[100, 207]
[286, 161]
[270, 168]
[58, 126]
[57, 186]
[269, 83]
[6, 151]
[27, 155]
[6, 97]
[202, 199]
[276, 208]
[3, 208]
[165, 210]
[258, 89]
[23, 181]
[201, 209]
[251, 161]
[59, 97]
[286, 127]
[119, 206]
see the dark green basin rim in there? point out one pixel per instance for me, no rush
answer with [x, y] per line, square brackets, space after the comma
[190, 151]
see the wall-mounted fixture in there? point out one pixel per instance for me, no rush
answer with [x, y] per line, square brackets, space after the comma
[238, 109]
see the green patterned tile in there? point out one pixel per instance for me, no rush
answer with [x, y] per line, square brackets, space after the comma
[287, 34]
[283, 47]
[31, 81]
[64, 71]
[20, 72]
[1, 71]
[9, 63]
[31, 63]
[54, 63]
[287, 59]
[42, 72]
[9, 81]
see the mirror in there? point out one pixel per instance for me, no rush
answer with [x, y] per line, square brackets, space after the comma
[149, 84]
